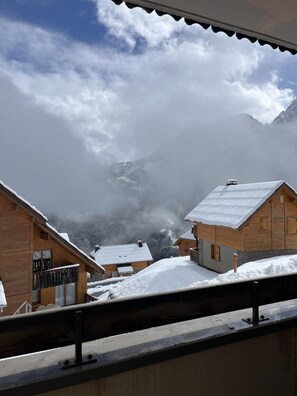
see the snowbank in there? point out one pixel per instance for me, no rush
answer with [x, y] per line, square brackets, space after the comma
[180, 272]
[255, 269]
[162, 276]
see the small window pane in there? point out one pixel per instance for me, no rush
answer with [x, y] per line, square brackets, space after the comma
[70, 293]
[59, 298]
[35, 296]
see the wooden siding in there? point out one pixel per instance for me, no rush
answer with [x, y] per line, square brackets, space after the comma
[222, 236]
[20, 236]
[60, 257]
[257, 233]
[279, 213]
[278, 220]
[228, 237]
[205, 231]
[15, 254]
[272, 227]
[15, 227]
[140, 265]
[291, 213]
[184, 245]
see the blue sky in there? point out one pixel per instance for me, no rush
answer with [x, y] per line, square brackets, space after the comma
[76, 19]
[116, 83]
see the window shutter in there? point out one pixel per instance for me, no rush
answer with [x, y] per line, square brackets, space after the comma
[292, 225]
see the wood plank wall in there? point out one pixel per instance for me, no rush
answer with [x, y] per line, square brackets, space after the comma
[15, 254]
[60, 256]
[184, 245]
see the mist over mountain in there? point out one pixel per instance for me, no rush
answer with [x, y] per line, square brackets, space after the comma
[287, 116]
[47, 164]
[153, 194]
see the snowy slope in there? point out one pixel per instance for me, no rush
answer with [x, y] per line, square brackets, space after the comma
[180, 272]
[288, 115]
[162, 276]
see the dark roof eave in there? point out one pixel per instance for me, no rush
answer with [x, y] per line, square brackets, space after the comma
[230, 31]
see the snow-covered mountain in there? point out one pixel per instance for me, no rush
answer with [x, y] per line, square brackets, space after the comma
[288, 115]
[150, 197]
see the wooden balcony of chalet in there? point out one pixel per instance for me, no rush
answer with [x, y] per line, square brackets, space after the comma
[51, 277]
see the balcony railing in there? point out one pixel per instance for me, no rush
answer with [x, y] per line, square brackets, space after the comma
[39, 331]
[55, 276]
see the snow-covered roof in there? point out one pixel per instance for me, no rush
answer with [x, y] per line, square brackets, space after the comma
[121, 254]
[21, 200]
[187, 235]
[65, 236]
[3, 302]
[93, 264]
[230, 206]
[128, 269]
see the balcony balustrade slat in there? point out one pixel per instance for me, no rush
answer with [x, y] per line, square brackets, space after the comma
[53, 277]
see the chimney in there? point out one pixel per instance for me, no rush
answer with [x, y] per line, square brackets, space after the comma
[139, 243]
[231, 182]
[97, 247]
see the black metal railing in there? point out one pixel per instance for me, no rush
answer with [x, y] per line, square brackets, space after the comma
[41, 331]
[55, 277]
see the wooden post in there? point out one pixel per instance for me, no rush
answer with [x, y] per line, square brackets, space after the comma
[235, 257]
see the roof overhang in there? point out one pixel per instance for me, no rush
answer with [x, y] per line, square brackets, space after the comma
[266, 21]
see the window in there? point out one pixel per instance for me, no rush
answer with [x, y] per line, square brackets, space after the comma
[65, 294]
[36, 296]
[42, 260]
[292, 225]
[216, 252]
[264, 223]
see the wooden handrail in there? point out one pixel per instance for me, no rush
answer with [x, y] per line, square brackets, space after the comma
[56, 328]
[55, 277]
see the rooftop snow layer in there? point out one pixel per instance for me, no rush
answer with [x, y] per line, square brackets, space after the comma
[187, 235]
[230, 206]
[10, 190]
[120, 254]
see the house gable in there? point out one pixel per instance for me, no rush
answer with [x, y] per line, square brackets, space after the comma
[24, 235]
[231, 206]
[269, 230]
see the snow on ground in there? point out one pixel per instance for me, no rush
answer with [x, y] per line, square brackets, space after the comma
[162, 276]
[256, 269]
[180, 272]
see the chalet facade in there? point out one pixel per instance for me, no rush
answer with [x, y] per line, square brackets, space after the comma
[38, 266]
[122, 260]
[186, 242]
[255, 221]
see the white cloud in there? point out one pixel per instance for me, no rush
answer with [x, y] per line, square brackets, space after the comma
[124, 104]
[135, 25]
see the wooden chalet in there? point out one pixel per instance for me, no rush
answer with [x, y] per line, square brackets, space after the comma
[38, 266]
[185, 242]
[255, 221]
[122, 260]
